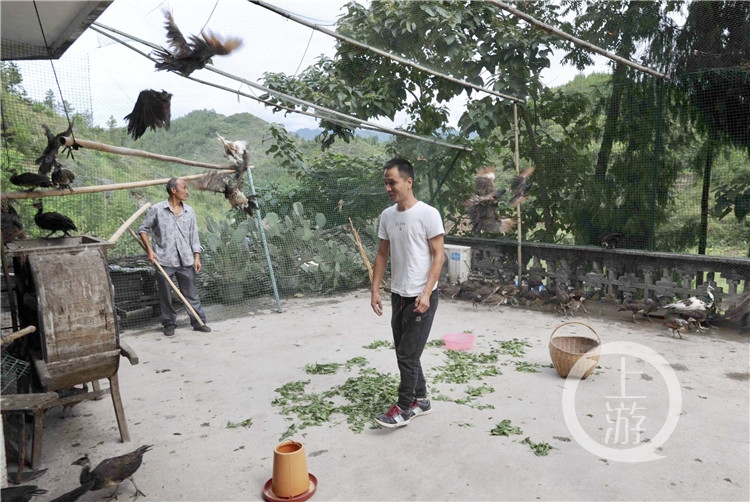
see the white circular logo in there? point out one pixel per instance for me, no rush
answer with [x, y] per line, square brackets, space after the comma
[644, 452]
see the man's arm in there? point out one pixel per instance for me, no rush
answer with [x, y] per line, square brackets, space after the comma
[381, 259]
[437, 250]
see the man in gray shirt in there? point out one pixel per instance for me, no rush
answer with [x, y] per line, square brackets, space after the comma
[177, 249]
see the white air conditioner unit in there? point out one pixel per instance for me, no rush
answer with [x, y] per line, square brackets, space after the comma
[458, 259]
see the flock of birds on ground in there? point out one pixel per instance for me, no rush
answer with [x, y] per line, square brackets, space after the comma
[109, 473]
[692, 314]
[152, 110]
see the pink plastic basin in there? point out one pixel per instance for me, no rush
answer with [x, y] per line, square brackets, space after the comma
[458, 341]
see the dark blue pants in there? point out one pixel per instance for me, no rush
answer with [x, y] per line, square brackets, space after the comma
[185, 278]
[410, 333]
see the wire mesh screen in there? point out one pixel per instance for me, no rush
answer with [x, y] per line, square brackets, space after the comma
[616, 164]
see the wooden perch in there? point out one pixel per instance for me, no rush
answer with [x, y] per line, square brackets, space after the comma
[126, 224]
[119, 150]
[37, 194]
[18, 334]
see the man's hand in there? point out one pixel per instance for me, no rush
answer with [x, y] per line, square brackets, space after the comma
[376, 303]
[422, 304]
[197, 263]
[151, 256]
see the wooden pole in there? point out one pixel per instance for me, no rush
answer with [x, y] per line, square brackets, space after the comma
[101, 188]
[518, 207]
[129, 222]
[119, 150]
[18, 334]
[171, 284]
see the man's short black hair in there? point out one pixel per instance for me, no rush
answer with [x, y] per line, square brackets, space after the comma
[405, 169]
[172, 183]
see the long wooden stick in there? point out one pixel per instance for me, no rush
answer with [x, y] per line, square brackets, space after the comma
[119, 150]
[126, 224]
[101, 188]
[171, 284]
[18, 334]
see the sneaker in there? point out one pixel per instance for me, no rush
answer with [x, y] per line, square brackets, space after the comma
[420, 407]
[203, 329]
[169, 330]
[394, 417]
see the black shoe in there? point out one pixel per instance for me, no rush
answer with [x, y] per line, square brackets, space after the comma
[203, 329]
[169, 330]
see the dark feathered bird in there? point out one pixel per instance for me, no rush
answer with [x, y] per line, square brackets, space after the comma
[235, 151]
[62, 178]
[48, 160]
[610, 241]
[483, 205]
[644, 307]
[186, 57]
[520, 185]
[32, 180]
[152, 109]
[12, 225]
[22, 493]
[112, 471]
[52, 221]
[74, 494]
[73, 391]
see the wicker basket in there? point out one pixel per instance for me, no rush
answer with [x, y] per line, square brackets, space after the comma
[566, 350]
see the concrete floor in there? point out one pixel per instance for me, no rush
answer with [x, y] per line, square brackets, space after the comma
[188, 388]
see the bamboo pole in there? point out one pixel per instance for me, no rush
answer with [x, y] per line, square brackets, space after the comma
[101, 188]
[518, 207]
[171, 284]
[129, 222]
[119, 150]
[18, 334]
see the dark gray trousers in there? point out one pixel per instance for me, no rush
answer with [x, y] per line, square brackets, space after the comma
[410, 333]
[185, 278]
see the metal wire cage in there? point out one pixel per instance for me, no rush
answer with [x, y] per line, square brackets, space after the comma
[12, 371]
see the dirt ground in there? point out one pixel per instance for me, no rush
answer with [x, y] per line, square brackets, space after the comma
[187, 389]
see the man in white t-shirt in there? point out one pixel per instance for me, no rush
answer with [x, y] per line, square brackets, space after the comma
[412, 233]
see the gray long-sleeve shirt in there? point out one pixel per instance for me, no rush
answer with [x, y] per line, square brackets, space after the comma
[173, 239]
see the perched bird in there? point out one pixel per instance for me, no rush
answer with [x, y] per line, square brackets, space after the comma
[678, 324]
[644, 307]
[32, 180]
[186, 57]
[62, 178]
[610, 241]
[520, 185]
[48, 160]
[235, 151]
[12, 226]
[112, 471]
[73, 391]
[21, 493]
[152, 109]
[52, 221]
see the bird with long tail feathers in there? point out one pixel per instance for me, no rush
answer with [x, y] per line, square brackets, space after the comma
[186, 57]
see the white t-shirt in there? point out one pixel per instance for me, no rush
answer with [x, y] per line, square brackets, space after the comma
[408, 232]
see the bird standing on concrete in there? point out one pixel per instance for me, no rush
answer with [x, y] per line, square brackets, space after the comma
[52, 221]
[186, 57]
[21, 493]
[112, 471]
[152, 109]
[644, 307]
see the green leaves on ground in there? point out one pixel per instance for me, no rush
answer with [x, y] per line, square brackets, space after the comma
[505, 428]
[380, 343]
[539, 449]
[463, 367]
[322, 369]
[245, 423]
[514, 347]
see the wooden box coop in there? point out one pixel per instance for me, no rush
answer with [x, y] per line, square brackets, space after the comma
[64, 289]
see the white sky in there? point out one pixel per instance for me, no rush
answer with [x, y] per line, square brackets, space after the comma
[116, 74]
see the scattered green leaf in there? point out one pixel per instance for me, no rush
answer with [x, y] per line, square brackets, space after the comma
[322, 369]
[505, 428]
[245, 423]
[380, 343]
[514, 347]
[163, 371]
[526, 367]
[540, 449]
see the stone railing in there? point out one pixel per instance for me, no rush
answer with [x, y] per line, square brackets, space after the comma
[618, 272]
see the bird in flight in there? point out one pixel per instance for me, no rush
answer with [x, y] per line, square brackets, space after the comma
[188, 56]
